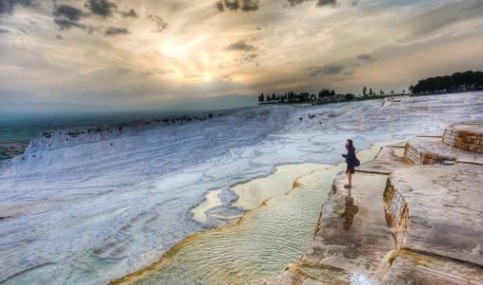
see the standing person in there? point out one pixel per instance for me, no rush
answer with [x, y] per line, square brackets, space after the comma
[351, 160]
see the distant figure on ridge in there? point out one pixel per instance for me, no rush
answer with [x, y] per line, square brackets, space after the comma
[351, 160]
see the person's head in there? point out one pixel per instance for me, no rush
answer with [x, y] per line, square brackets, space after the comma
[349, 144]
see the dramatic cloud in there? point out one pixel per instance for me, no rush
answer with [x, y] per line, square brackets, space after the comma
[161, 25]
[110, 53]
[325, 70]
[239, 46]
[113, 31]
[71, 13]
[7, 6]
[103, 8]
[365, 58]
[131, 13]
[67, 24]
[233, 5]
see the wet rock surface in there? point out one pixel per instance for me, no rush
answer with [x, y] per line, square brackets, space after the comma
[352, 234]
[401, 223]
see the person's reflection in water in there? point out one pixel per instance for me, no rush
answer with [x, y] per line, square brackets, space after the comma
[349, 212]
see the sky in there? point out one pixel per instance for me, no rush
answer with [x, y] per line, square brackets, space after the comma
[120, 55]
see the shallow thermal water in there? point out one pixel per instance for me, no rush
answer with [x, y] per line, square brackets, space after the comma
[250, 195]
[263, 242]
[255, 249]
[90, 208]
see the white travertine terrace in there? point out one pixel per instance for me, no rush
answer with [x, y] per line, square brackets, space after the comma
[87, 208]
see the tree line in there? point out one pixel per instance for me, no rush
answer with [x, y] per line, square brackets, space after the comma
[305, 97]
[458, 82]
[324, 96]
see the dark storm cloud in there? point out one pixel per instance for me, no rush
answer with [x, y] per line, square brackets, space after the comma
[446, 15]
[161, 25]
[321, 3]
[7, 6]
[65, 24]
[233, 5]
[240, 46]
[325, 70]
[103, 8]
[69, 12]
[114, 31]
[3, 31]
[131, 13]
[365, 58]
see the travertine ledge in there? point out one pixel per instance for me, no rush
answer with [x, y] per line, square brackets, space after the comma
[410, 218]
[466, 135]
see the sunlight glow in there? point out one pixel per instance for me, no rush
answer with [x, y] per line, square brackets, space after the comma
[175, 50]
[208, 76]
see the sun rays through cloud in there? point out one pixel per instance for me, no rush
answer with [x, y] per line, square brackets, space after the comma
[109, 52]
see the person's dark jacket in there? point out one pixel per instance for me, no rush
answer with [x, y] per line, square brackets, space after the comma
[350, 157]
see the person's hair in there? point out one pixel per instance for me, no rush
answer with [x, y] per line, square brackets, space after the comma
[351, 144]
